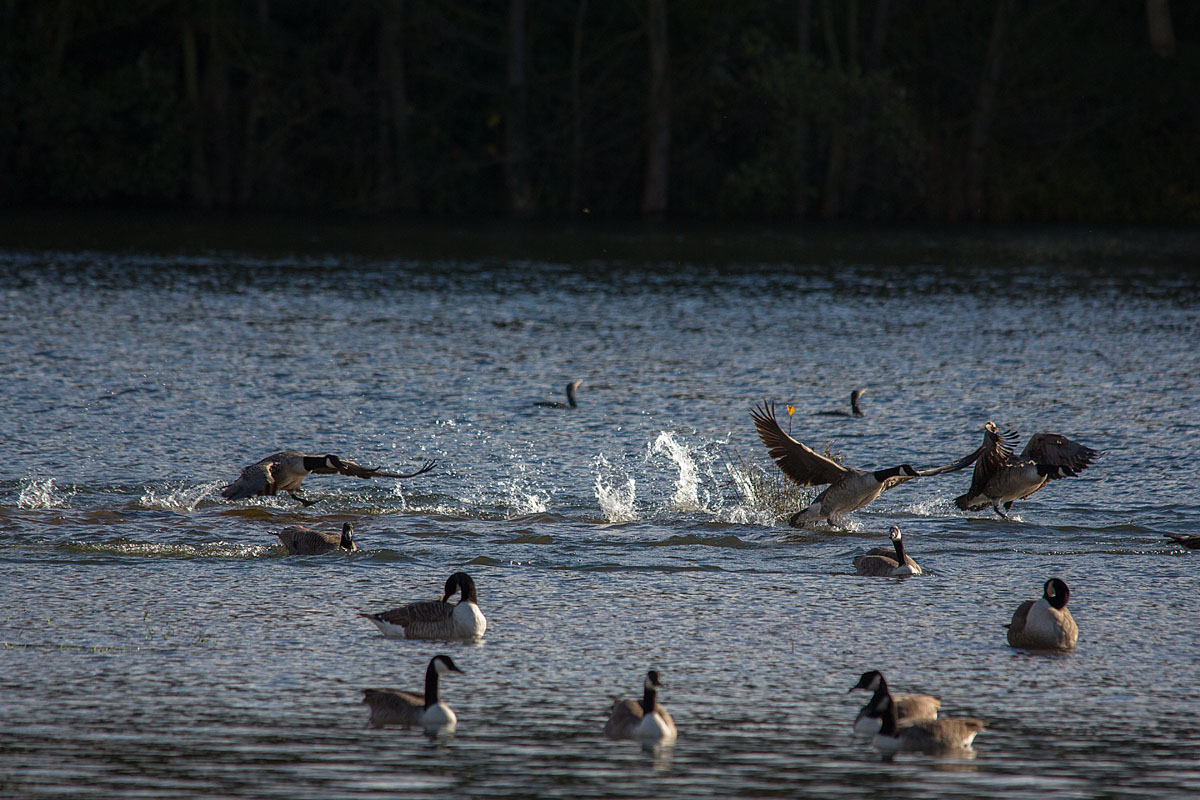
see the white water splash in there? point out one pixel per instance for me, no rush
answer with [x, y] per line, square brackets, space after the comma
[687, 488]
[43, 494]
[616, 502]
[523, 497]
[182, 498]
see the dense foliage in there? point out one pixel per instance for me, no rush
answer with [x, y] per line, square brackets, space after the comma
[1054, 110]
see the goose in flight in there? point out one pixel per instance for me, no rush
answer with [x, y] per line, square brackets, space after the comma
[1003, 478]
[1046, 623]
[284, 472]
[848, 488]
[646, 721]
[437, 619]
[397, 707]
[303, 541]
[854, 411]
[887, 561]
[571, 387]
[909, 707]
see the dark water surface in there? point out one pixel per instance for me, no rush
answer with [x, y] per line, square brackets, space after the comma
[158, 642]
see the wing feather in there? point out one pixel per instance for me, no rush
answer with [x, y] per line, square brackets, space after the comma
[800, 463]
[253, 481]
[1059, 451]
[427, 611]
[357, 470]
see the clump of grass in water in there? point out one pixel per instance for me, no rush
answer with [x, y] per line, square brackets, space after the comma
[770, 490]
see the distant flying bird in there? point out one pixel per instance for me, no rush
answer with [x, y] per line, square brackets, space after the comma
[646, 721]
[284, 472]
[427, 710]
[437, 619]
[849, 488]
[571, 387]
[1046, 623]
[1000, 477]
[303, 541]
[854, 411]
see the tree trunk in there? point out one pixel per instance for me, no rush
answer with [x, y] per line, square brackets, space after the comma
[985, 112]
[1159, 28]
[575, 192]
[394, 164]
[658, 134]
[255, 95]
[218, 108]
[800, 148]
[516, 144]
[194, 123]
[860, 129]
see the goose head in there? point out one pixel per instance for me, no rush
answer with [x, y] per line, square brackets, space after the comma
[1056, 593]
[459, 582]
[894, 533]
[443, 664]
[652, 683]
[870, 681]
[347, 542]
[907, 469]
[332, 461]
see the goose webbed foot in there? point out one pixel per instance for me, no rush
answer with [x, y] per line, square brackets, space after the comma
[996, 508]
[302, 501]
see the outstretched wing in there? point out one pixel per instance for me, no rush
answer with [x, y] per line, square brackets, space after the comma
[800, 463]
[253, 481]
[359, 471]
[1059, 451]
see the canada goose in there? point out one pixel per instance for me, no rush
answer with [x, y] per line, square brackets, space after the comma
[1044, 624]
[303, 541]
[1001, 477]
[909, 707]
[1190, 542]
[890, 562]
[849, 489]
[933, 736]
[397, 707]
[571, 387]
[854, 411]
[437, 619]
[647, 721]
[284, 472]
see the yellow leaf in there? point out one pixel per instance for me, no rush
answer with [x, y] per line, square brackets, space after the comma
[791, 410]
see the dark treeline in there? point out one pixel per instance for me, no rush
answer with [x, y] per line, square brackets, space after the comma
[994, 110]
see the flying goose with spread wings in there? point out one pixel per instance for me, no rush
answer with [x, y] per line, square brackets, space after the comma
[848, 488]
[285, 471]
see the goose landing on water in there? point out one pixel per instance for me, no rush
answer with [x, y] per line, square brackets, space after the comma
[285, 471]
[887, 562]
[849, 489]
[300, 540]
[910, 708]
[571, 387]
[854, 411]
[397, 707]
[437, 619]
[645, 721]
[1002, 478]
[1044, 624]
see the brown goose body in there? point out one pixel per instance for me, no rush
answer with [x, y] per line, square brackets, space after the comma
[300, 540]
[1002, 478]
[848, 488]
[286, 470]
[437, 619]
[1046, 623]
[645, 721]
[887, 562]
[398, 707]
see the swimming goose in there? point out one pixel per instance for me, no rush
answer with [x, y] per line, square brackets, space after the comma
[284, 472]
[1001, 477]
[397, 707]
[1044, 624]
[909, 707]
[571, 387]
[890, 562]
[437, 619]
[932, 736]
[849, 489]
[854, 411]
[647, 721]
[300, 540]
[1190, 542]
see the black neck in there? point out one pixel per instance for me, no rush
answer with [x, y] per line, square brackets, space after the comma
[571, 395]
[884, 474]
[854, 409]
[898, 543]
[648, 697]
[431, 685]
[1059, 599]
[890, 721]
[467, 587]
[313, 462]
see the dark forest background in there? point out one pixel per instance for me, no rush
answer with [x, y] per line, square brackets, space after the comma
[874, 110]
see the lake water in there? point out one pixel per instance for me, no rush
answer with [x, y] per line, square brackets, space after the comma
[157, 641]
